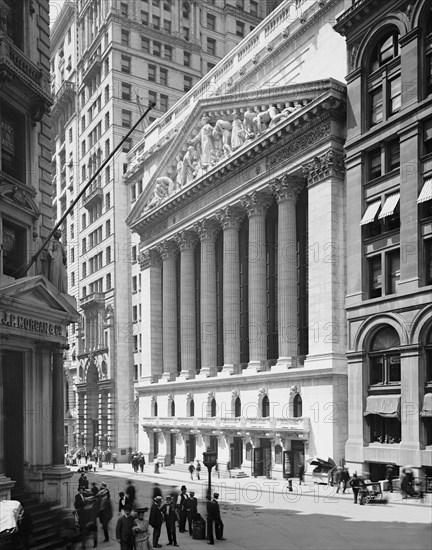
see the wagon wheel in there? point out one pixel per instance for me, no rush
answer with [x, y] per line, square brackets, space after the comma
[367, 499]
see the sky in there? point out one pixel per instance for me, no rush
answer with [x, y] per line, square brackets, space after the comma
[55, 7]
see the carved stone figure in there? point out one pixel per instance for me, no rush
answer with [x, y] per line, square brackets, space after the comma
[224, 129]
[160, 192]
[189, 165]
[264, 118]
[57, 263]
[205, 139]
[180, 173]
[248, 122]
[238, 135]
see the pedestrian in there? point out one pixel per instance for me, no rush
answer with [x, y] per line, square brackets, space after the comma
[181, 506]
[198, 469]
[356, 483]
[156, 520]
[170, 517]
[141, 531]
[114, 460]
[156, 491]
[214, 517]
[229, 468]
[124, 533]
[191, 506]
[105, 509]
[141, 462]
[217, 469]
[389, 476]
[108, 457]
[91, 508]
[135, 463]
[25, 529]
[94, 488]
[345, 479]
[122, 502]
[338, 479]
[191, 470]
[130, 492]
[83, 481]
[301, 472]
[156, 466]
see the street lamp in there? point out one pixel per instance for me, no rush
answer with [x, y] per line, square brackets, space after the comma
[209, 460]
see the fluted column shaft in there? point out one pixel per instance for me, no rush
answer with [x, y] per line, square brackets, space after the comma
[230, 219]
[286, 190]
[256, 206]
[168, 251]
[186, 241]
[57, 407]
[207, 231]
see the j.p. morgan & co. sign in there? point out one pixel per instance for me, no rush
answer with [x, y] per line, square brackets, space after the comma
[32, 325]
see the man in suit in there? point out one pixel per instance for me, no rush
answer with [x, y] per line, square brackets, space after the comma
[219, 526]
[213, 516]
[171, 516]
[181, 506]
[191, 506]
[124, 532]
[156, 520]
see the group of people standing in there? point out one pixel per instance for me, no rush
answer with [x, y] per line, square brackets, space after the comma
[138, 462]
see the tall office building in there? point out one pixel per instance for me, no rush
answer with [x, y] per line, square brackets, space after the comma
[109, 60]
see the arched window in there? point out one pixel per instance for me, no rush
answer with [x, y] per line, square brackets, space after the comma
[213, 407]
[154, 408]
[384, 86]
[191, 408]
[265, 407]
[384, 358]
[297, 406]
[237, 407]
[278, 454]
[172, 407]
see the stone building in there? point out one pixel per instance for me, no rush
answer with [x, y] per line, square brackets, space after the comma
[389, 200]
[109, 59]
[35, 310]
[241, 223]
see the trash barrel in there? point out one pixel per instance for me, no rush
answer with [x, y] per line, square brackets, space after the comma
[198, 528]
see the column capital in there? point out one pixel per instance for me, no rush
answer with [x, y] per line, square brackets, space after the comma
[186, 240]
[230, 217]
[167, 249]
[330, 164]
[207, 229]
[256, 203]
[287, 187]
[149, 258]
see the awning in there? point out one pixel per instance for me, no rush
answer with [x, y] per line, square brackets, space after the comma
[371, 212]
[389, 205]
[427, 405]
[384, 405]
[426, 192]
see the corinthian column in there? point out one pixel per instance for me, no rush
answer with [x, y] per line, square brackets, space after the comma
[186, 241]
[57, 407]
[168, 251]
[230, 218]
[207, 231]
[286, 190]
[256, 205]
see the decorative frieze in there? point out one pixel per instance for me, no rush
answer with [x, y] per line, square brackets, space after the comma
[331, 164]
[149, 258]
[256, 203]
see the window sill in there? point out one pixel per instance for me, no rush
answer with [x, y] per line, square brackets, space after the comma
[380, 445]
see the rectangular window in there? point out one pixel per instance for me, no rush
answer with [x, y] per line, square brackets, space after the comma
[106, 94]
[156, 22]
[125, 37]
[163, 103]
[125, 64]
[152, 96]
[108, 255]
[145, 44]
[211, 46]
[240, 29]
[186, 34]
[168, 53]
[211, 22]
[166, 6]
[157, 49]
[127, 145]
[126, 118]
[107, 121]
[144, 18]
[108, 228]
[187, 83]
[393, 155]
[167, 26]
[107, 147]
[374, 158]
[151, 75]
[126, 91]
[395, 95]
[134, 284]
[134, 314]
[124, 9]
[163, 77]
[14, 248]
[254, 8]
[375, 277]
[186, 59]
[393, 271]
[108, 284]
[376, 106]
[13, 140]
[427, 136]
[427, 244]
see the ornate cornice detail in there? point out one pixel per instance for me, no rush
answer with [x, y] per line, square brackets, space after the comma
[186, 240]
[149, 258]
[330, 164]
[263, 391]
[304, 141]
[230, 217]
[235, 392]
[167, 249]
[256, 203]
[207, 229]
[295, 389]
[211, 394]
[287, 188]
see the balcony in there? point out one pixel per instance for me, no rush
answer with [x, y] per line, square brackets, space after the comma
[92, 300]
[92, 196]
[94, 66]
[24, 75]
[270, 427]
[64, 98]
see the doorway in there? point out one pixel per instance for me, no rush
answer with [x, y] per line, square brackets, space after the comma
[191, 448]
[12, 376]
[236, 452]
[173, 440]
[262, 459]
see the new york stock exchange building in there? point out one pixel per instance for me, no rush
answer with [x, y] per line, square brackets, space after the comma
[240, 225]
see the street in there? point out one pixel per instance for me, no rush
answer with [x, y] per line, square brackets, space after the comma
[262, 514]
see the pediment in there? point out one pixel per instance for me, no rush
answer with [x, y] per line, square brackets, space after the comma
[37, 294]
[220, 129]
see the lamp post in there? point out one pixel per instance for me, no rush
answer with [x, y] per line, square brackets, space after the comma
[209, 460]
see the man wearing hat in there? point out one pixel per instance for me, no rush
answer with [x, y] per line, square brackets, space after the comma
[124, 533]
[171, 516]
[156, 519]
[181, 506]
[213, 516]
[105, 509]
[191, 505]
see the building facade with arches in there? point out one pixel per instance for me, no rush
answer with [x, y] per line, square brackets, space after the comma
[241, 255]
[389, 231]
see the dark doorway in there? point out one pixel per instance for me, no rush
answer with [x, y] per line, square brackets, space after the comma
[13, 415]
[262, 459]
[378, 471]
[236, 452]
[297, 456]
[173, 439]
[191, 448]
[214, 444]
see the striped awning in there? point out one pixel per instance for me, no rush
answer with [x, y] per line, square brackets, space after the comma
[390, 205]
[371, 212]
[383, 405]
[427, 405]
[426, 192]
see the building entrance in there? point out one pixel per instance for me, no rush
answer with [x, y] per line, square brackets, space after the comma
[173, 439]
[236, 452]
[190, 448]
[11, 386]
[262, 459]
